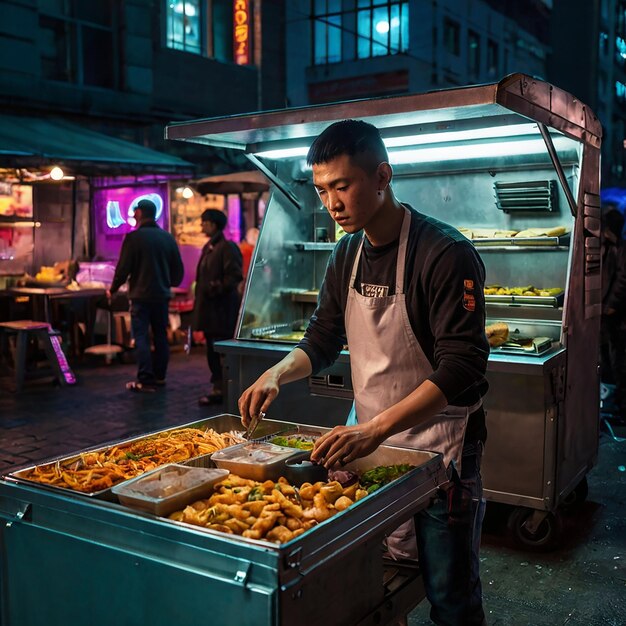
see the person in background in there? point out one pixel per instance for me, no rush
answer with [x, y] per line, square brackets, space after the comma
[247, 248]
[613, 335]
[406, 292]
[151, 262]
[216, 303]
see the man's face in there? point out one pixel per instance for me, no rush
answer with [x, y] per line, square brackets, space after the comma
[209, 228]
[349, 193]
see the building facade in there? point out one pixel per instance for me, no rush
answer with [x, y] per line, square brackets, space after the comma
[128, 67]
[589, 60]
[89, 85]
[345, 49]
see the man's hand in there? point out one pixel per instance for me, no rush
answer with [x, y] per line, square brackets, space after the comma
[257, 398]
[108, 295]
[346, 443]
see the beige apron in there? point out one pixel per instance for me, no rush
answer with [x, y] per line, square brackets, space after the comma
[388, 364]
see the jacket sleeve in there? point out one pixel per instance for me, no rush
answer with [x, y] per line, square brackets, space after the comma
[233, 267]
[177, 269]
[325, 335]
[455, 290]
[124, 265]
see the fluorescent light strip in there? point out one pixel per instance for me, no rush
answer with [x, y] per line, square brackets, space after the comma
[462, 135]
[470, 151]
[476, 151]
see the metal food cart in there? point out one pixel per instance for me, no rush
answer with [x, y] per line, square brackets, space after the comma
[518, 156]
[66, 556]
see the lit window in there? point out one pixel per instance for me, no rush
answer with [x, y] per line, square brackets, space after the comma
[382, 28]
[184, 30]
[326, 31]
[620, 50]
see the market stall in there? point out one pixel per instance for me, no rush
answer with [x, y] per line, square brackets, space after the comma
[515, 166]
[119, 563]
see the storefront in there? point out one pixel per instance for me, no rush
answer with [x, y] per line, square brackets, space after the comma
[67, 192]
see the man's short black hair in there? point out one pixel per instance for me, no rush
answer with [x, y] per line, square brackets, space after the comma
[355, 138]
[217, 217]
[148, 209]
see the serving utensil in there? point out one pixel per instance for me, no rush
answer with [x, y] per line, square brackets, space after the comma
[256, 420]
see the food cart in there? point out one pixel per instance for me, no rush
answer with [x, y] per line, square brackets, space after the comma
[515, 165]
[66, 555]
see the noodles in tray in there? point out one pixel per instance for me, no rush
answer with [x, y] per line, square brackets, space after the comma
[98, 470]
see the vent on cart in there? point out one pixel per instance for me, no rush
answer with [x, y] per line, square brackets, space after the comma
[535, 196]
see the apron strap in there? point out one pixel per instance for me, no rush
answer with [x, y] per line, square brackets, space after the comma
[400, 261]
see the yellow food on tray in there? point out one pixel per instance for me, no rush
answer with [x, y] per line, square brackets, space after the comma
[527, 290]
[554, 231]
[497, 333]
[98, 470]
[272, 511]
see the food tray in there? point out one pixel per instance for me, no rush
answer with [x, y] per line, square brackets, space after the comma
[301, 434]
[256, 460]
[219, 423]
[534, 346]
[514, 242]
[543, 301]
[168, 488]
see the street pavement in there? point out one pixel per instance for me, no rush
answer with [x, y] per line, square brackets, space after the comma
[582, 583]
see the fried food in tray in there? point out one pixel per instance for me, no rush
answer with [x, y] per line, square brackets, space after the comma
[98, 470]
[279, 511]
[497, 333]
[269, 511]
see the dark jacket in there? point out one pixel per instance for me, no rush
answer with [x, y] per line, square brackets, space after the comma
[218, 274]
[151, 262]
[614, 276]
[444, 283]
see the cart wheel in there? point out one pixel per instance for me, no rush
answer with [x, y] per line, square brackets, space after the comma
[574, 499]
[545, 537]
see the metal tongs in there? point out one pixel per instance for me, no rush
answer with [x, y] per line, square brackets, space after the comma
[256, 420]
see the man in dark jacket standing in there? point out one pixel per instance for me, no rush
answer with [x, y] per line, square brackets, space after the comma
[151, 262]
[217, 299]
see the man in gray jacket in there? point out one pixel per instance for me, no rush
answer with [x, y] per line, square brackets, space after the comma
[151, 262]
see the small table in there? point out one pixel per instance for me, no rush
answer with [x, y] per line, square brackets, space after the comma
[54, 293]
[43, 296]
[41, 331]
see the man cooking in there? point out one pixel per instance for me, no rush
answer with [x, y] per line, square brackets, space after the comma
[405, 292]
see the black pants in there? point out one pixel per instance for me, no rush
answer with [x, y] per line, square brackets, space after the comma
[215, 363]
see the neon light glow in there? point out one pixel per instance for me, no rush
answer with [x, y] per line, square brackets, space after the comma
[155, 197]
[114, 217]
[241, 32]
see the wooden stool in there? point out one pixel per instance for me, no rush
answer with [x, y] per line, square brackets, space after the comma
[25, 330]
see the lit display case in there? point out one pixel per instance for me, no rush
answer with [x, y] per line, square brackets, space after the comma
[515, 166]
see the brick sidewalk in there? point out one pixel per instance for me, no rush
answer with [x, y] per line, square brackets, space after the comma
[46, 420]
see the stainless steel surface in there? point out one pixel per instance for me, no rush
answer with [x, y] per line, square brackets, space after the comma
[480, 105]
[256, 460]
[221, 424]
[118, 558]
[549, 401]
